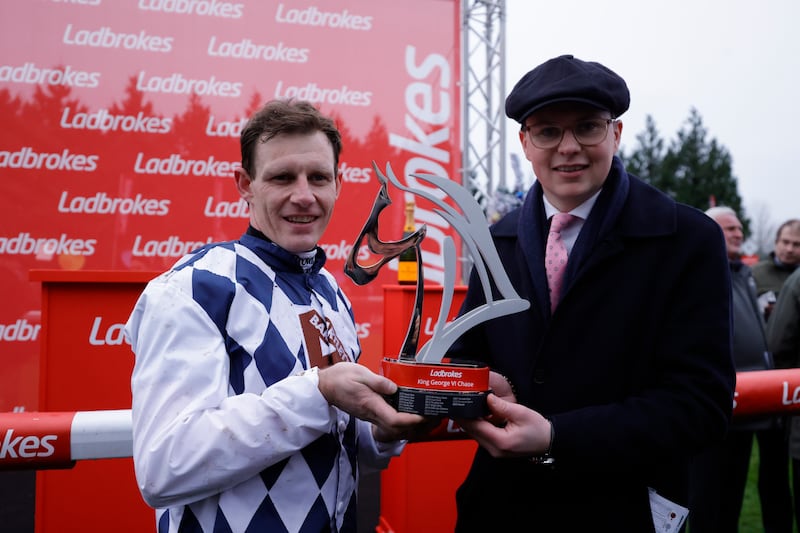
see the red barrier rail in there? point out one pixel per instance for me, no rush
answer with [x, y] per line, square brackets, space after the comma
[767, 392]
[56, 440]
[41, 440]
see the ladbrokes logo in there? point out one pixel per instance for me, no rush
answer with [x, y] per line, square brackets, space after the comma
[105, 37]
[355, 174]
[105, 335]
[31, 74]
[313, 16]
[104, 121]
[247, 49]
[25, 244]
[175, 165]
[312, 92]
[340, 251]
[205, 8]
[177, 84]
[19, 331]
[26, 447]
[29, 159]
[102, 204]
[224, 128]
[223, 209]
[171, 247]
[428, 141]
[446, 373]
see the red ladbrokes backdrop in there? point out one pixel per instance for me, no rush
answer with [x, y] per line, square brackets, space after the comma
[120, 124]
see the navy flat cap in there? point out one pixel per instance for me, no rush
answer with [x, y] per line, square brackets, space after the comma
[568, 79]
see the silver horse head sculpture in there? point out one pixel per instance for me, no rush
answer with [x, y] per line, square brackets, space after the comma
[470, 223]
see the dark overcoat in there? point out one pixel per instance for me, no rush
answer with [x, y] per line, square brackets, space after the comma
[634, 368]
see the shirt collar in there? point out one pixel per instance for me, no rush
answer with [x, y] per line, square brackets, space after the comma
[582, 211]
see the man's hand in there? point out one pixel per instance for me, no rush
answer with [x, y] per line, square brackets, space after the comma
[521, 432]
[357, 390]
[417, 429]
[501, 387]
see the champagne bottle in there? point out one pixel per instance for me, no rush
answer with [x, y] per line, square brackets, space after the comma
[407, 261]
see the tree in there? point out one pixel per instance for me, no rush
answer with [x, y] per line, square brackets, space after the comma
[645, 162]
[693, 170]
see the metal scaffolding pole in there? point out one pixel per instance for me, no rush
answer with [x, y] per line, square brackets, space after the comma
[483, 96]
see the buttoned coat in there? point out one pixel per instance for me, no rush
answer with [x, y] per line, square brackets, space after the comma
[634, 368]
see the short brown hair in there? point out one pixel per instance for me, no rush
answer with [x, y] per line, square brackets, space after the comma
[792, 223]
[279, 117]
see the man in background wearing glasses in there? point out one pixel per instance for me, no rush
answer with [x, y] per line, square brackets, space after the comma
[621, 370]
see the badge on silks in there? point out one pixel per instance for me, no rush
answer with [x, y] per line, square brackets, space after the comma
[427, 384]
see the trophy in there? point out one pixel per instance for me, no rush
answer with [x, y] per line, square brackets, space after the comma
[427, 384]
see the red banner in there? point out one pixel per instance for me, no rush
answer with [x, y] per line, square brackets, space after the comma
[121, 123]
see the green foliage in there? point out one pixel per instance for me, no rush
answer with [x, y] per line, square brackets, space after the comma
[645, 161]
[694, 170]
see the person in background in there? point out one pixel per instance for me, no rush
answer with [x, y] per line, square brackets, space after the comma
[777, 498]
[783, 336]
[604, 390]
[719, 475]
[250, 411]
[772, 271]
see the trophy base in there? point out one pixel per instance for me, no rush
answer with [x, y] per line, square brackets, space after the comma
[427, 402]
[442, 389]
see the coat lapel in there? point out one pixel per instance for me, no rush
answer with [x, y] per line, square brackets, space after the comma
[531, 238]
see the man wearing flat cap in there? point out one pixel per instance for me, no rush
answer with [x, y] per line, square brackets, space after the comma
[621, 369]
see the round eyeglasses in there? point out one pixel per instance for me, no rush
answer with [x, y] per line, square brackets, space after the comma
[587, 132]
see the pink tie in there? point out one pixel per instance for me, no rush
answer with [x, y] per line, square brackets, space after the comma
[555, 259]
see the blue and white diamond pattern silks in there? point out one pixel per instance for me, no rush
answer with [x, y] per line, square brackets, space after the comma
[231, 433]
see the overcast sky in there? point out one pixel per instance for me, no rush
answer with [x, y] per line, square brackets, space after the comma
[735, 61]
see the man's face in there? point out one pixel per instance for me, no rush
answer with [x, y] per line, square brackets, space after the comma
[570, 173]
[734, 235]
[293, 191]
[787, 247]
